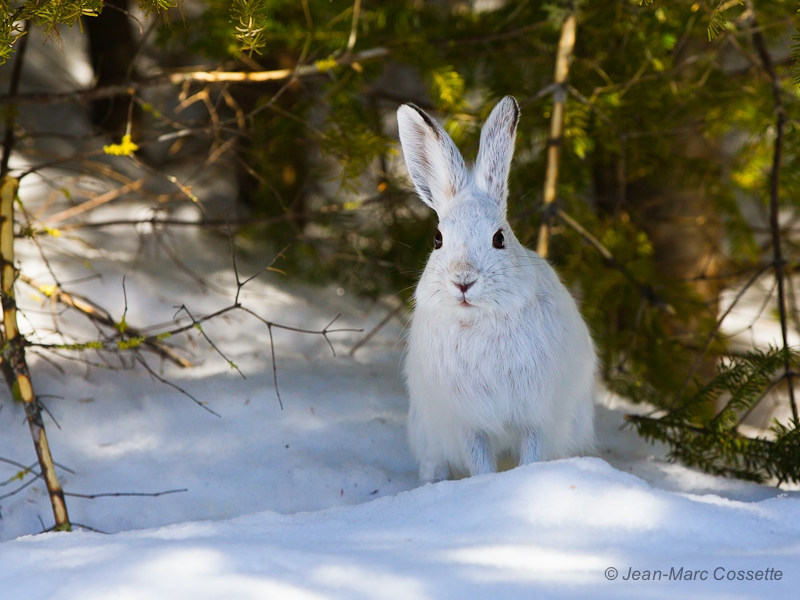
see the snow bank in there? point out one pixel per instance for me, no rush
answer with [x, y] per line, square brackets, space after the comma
[547, 530]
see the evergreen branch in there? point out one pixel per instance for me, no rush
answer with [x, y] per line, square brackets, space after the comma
[717, 21]
[157, 6]
[250, 27]
[716, 446]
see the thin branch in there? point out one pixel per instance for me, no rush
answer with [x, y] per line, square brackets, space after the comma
[199, 328]
[100, 315]
[181, 78]
[122, 494]
[645, 290]
[715, 330]
[86, 527]
[20, 488]
[94, 202]
[274, 366]
[351, 42]
[389, 316]
[155, 221]
[47, 410]
[761, 47]
[174, 386]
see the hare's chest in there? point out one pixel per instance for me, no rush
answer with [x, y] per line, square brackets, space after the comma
[485, 367]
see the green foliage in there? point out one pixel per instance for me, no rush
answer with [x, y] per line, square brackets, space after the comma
[638, 100]
[717, 22]
[653, 114]
[250, 25]
[157, 6]
[796, 56]
[49, 14]
[716, 445]
[130, 343]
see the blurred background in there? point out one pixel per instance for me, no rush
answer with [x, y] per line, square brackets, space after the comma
[673, 132]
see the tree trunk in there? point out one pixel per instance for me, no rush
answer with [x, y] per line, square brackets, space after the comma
[112, 49]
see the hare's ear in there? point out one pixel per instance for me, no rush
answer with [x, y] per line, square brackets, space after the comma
[496, 150]
[434, 163]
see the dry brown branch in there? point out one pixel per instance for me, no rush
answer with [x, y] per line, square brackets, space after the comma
[185, 77]
[100, 315]
[14, 355]
[351, 42]
[94, 202]
[127, 341]
[565, 46]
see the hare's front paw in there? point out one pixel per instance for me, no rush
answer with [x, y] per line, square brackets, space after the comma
[431, 471]
[479, 456]
[529, 448]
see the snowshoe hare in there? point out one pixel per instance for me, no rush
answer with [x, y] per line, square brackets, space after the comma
[499, 360]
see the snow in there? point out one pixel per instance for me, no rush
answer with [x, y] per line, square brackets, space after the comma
[321, 499]
[546, 530]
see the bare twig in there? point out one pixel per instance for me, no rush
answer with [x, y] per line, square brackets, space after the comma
[715, 330]
[133, 343]
[199, 328]
[174, 386]
[100, 315]
[389, 316]
[17, 490]
[155, 221]
[274, 366]
[125, 494]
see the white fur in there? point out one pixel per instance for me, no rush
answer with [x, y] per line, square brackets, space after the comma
[513, 370]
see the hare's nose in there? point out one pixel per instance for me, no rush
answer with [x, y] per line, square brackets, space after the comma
[465, 286]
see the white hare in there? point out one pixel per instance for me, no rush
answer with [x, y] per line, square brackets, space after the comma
[499, 359]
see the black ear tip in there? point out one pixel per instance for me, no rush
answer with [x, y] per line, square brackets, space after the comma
[425, 117]
[514, 108]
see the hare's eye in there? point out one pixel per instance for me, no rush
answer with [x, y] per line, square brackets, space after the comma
[498, 241]
[437, 240]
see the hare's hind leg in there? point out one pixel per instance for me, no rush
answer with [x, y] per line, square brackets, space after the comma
[529, 451]
[478, 455]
